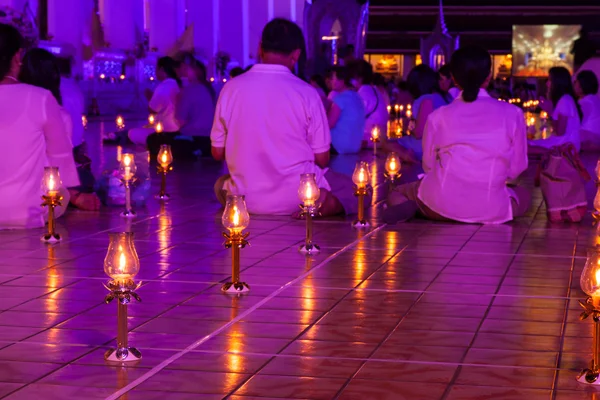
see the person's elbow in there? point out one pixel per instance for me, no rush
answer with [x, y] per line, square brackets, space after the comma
[322, 159]
[218, 153]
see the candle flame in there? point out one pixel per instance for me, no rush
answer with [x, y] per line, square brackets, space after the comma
[127, 160]
[375, 133]
[236, 216]
[392, 164]
[164, 158]
[119, 120]
[122, 262]
[151, 119]
[308, 193]
[51, 183]
[361, 175]
[159, 127]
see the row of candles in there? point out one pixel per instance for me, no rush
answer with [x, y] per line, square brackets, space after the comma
[112, 79]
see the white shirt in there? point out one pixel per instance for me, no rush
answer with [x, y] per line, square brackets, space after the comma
[566, 107]
[74, 104]
[163, 103]
[33, 137]
[375, 109]
[590, 105]
[271, 124]
[470, 151]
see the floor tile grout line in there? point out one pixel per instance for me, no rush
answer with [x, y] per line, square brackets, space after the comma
[316, 321]
[402, 318]
[563, 327]
[242, 315]
[483, 318]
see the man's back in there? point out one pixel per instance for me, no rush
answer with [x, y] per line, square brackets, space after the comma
[271, 124]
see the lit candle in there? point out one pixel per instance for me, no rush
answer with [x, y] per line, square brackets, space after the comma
[165, 157]
[389, 109]
[224, 80]
[84, 121]
[119, 153]
[392, 165]
[544, 115]
[531, 121]
[408, 113]
[212, 79]
[396, 108]
[159, 127]
[127, 166]
[102, 76]
[151, 119]
[122, 77]
[52, 186]
[151, 78]
[120, 122]
[375, 134]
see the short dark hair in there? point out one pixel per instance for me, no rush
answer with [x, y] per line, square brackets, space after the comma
[445, 71]
[588, 82]
[282, 36]
[342, 73]
[11, 41]
[422, 80]
[236, 71]
[169, 65]
[471, 66]
[363, 70]
[40, 68]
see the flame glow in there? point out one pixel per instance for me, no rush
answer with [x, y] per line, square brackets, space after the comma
[236, 216]
[122, 262]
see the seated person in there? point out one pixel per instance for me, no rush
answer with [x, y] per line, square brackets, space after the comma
[423, 84]
[33, 137]
[471, 148]
[162, 103]
[586, 89]
[195, 108]
[346, 115]
[270, 127]
[448, 90]
[40, 68]
[566, 113]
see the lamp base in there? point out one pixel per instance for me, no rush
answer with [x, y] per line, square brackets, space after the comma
[360, 224]
[235, 288]
[163, 197]
[589, 377]
[125, 354]
[128, 214]
[51, 238]
[309, 249]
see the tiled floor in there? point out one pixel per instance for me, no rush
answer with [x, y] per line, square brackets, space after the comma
[414, 311]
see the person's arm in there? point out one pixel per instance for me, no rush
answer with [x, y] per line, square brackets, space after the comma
[425, 109]
[322, 159]
[333, 115]
[218, 134]
[518, 164]
[560, 125]
[429, 146]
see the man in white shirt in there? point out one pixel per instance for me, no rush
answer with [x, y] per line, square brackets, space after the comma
[270, 127]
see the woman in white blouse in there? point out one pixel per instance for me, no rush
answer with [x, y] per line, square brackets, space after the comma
[33, 137]
[566, 113]
[586, 88]
[471, 149]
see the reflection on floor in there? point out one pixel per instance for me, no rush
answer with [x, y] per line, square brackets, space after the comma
[414, 311]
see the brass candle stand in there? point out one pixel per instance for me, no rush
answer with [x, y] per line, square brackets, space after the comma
[590, 284]
[375, 139]
[128, 212]
[309, 212]
[162, 194]
[123, 292]
[360, 193]
[51, 201]
[127, 170]
[235, 241]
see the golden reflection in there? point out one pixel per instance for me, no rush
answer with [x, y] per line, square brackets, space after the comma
[374, 177]
[235, 346]
[164, 234]
[308, 295]
[52, 276]
[122, 381]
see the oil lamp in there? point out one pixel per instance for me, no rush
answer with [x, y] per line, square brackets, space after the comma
[51, 185]
[151, 119]
[389, 109]
[122, 77]
[590, 284]
[84, 121]
[122, 264]
[408, 113]
[120, 123]
[165, 158]
[235, 218]
[308, 193]
[102, 76]
[543, 116]
[392, 167]
[375, 139]
[127, 169]
[361, 178]
[159, 127]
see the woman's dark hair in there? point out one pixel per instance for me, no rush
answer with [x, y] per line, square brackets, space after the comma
[361, 69]
[320, 81]
[561, 85]
[40, 68]
[11, 41]
[342, 73]
[378, 80]
[282, 36]
[471, 66]
[445, 71]
[423, 80]
[588, 82]
[169, 65]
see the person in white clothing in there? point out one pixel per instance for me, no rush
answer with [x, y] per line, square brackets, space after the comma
[374, 102]
[40, 68]
[161, 102]
[586, 89]
[471, 149]
[565, 111]
[33, 137]
[270, 127]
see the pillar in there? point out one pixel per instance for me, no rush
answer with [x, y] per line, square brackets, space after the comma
[66, 21]
[123, 23]
[167, 23]
[204, 15]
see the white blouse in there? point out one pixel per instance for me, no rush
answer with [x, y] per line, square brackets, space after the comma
[590, 105]
[33, 137]
[163, 102]
[470, 151]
